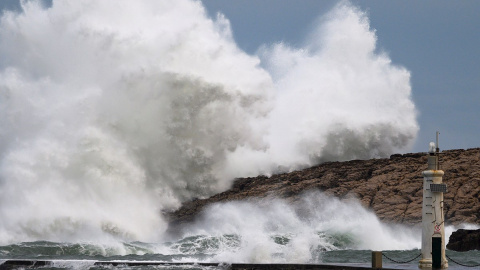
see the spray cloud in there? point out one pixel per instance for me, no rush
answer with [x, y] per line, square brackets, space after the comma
[114, 111]
[282, 232]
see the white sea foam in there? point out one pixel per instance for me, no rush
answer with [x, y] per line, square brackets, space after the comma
[114, 111]
[282, 232]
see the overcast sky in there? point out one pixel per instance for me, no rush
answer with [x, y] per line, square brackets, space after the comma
[437, 41]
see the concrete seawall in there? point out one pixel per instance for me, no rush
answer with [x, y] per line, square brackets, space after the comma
[32, 264]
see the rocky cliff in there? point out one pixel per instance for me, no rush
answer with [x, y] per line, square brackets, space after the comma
[391, 187]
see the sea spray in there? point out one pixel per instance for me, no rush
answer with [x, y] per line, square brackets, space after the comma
[274, 230]
[255, 231]
[108, 121]
[114, 111]
[338, 96]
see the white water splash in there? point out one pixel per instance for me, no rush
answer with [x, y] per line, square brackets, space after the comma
[277, 231]
[114, 111]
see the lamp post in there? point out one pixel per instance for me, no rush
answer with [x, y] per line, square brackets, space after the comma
[433, 229]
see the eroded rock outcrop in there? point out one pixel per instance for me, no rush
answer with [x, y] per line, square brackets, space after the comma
[391, 187]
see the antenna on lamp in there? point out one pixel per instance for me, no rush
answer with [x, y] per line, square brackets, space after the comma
[438, 148]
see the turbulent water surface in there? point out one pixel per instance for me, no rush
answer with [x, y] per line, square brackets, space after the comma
[195, 249]
[318, 229]
[116, 111]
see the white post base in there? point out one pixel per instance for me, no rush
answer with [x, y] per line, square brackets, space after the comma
[425, 264]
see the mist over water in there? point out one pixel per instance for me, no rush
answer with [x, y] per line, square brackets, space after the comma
[114, 111]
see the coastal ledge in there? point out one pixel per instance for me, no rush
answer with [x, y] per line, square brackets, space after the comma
[464, 240]
[390, 187]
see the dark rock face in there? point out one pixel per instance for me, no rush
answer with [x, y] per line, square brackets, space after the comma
[391, 187]
[464, 240]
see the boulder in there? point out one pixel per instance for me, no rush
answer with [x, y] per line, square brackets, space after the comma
[464, 240]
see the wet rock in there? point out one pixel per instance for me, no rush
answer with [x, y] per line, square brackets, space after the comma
[391, 187]
[464, 240]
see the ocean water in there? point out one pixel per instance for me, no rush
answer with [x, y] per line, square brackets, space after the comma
[116, 111]
[197, 249]
[317, 229]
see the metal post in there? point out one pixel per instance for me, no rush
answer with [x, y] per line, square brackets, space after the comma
[376, 259]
